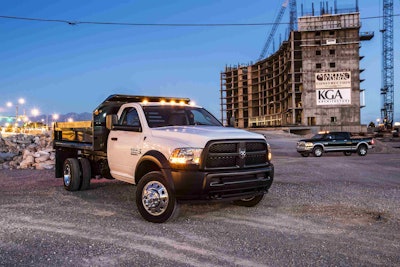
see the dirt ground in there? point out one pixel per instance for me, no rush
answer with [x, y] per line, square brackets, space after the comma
[327, 211]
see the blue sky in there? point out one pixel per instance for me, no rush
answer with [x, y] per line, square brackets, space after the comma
[61, 68]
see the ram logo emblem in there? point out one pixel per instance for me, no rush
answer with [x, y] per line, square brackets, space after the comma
[242, 153]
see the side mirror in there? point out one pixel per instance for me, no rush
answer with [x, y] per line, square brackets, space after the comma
[111, 120]
[231, 122]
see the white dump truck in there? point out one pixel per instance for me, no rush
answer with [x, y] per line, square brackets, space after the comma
[173, 151]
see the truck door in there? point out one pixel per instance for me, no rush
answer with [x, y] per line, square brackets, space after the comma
[343, 142]
[125, 144]
[328, 142]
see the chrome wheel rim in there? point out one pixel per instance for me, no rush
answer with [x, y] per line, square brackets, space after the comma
[318, 152]
[155, 198]
[67, 175]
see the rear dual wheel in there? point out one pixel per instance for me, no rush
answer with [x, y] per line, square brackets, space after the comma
[77, 174]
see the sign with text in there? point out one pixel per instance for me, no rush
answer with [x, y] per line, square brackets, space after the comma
[333, 80]
[333, 96]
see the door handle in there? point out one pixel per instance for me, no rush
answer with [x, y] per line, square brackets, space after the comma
[114, 138]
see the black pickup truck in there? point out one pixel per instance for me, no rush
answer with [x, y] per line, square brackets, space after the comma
[334, 142]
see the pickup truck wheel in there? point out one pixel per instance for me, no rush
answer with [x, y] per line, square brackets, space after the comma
[86, 173]
[155, 200]
[249, 202]
[305, 154]
[362, 150]
[72, 174]
[318, 151]
[347, 153]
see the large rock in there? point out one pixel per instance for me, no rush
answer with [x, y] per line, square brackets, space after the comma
[24, 151]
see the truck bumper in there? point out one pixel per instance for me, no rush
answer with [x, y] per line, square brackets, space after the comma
[221, 185]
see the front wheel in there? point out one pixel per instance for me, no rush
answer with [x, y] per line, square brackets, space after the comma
[249, 202]
[305, 154]
[154, 198]
[318, 151]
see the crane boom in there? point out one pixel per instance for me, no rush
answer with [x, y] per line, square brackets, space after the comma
[273, 30]
[293, 15]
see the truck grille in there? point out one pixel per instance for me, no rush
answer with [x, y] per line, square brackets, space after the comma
[237, 154]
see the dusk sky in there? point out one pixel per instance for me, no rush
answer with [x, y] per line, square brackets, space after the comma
[61, 68]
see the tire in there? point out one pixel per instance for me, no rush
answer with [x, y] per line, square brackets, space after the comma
[72, 174]
[86, 173]
[154, 198]
[362, 150]
[318, 151]
[347, 153]
[305, 154]
[249, 202]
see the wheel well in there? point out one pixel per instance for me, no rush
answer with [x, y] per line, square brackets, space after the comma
[145, 166]
[362, 145]
[154, 161]
[318, 146]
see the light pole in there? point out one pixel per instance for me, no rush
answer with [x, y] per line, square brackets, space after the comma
[35, 112]
[20, 101]
[55, 117]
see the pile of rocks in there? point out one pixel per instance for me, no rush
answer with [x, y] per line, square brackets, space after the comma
[22, 151]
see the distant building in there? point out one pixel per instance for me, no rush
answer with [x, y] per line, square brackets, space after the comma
[312, 81]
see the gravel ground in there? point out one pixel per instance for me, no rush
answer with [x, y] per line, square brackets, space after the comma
[328, 211]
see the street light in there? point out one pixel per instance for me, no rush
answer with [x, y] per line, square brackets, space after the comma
[55, 117]
[20, 101]
[35, 112]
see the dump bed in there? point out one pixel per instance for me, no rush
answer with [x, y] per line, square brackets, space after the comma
[77, 134]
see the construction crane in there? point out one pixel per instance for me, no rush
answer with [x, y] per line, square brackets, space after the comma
[293, 15]
[387, 90]
[273, 30]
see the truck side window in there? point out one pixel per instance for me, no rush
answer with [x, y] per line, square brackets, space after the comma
[130, 117]
[340, 136]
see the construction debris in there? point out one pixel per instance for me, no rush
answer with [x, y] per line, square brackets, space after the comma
[22, 151]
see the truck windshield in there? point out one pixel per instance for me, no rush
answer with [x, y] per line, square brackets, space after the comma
[318, 136]
[161, 116]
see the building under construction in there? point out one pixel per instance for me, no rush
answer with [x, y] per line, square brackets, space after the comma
[311, 82]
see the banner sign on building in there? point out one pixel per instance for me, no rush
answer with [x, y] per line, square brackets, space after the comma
[333, 80]
[333, 96]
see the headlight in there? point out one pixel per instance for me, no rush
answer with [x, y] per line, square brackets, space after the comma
[269, 152]
[185, 155]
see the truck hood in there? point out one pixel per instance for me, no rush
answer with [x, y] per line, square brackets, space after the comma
[198, 136]
[309, 140]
